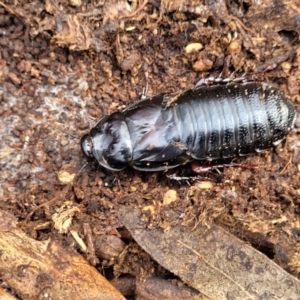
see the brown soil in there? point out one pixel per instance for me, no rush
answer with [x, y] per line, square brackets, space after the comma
[63, 65]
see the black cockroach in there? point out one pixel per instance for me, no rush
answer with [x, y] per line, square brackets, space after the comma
[218, 120]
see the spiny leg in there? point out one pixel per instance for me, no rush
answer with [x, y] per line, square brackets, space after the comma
[200, 168]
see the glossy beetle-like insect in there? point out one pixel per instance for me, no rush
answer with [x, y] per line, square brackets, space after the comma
[207, 123]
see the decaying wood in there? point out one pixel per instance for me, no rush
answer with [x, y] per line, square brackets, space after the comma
[44, 269]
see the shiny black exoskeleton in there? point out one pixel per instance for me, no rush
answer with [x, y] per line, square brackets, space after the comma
[207, 123]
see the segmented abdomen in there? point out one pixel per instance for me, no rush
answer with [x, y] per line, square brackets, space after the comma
[225, 121]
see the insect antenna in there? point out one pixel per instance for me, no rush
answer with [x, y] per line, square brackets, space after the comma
[81, 169]
[69, 134]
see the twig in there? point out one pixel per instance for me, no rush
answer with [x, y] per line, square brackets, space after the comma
[61, 196]
[90, 244]
[135, 12]
[242, 24]
[286, 165]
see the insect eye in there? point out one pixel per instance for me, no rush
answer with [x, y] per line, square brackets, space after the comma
[87, 145]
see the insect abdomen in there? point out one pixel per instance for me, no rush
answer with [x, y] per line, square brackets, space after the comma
[222, 122]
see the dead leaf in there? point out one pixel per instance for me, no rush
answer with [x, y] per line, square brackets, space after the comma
[213, 261]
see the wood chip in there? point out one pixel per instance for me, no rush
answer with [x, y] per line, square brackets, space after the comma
[65, 177]
[170, 196]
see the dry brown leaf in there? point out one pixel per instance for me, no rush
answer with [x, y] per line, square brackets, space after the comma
[213, 261]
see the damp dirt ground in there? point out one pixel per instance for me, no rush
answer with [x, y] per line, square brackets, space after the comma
[63, 65]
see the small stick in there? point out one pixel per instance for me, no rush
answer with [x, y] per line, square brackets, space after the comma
[135, 12]
[242, 24]
[286, 165]
[90, 245]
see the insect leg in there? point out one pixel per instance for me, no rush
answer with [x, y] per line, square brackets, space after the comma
[187, 179]
[220, 80]
[202, 169]
[145, 89]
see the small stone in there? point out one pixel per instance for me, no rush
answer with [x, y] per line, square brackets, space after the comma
[202, 65]
[76, 3]
[235, 47]
[205, 184]
[108, 246]
[286, 67]
[193, 47]
[13, 77]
